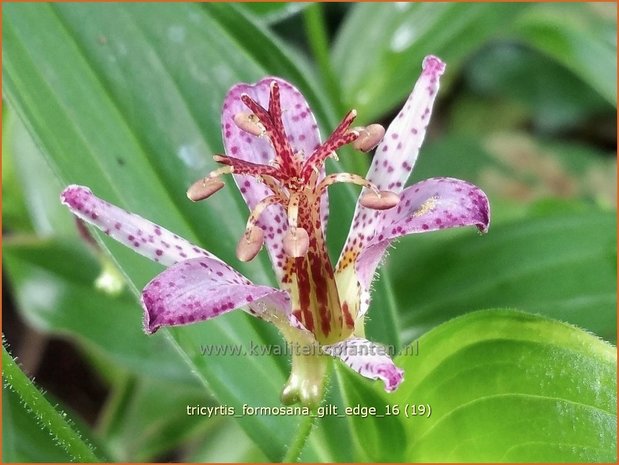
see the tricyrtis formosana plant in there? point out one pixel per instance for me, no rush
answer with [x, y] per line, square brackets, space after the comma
[471, 347]
[277, 159]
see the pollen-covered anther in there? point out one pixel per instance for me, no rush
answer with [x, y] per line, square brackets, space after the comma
[204, 188]
[249, 123]
[250, 243]
[382, 200]
[369, 137]
[296, 242]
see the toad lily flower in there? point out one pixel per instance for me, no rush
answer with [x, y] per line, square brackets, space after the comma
[277, 159]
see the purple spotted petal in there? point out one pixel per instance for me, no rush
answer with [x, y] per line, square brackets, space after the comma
[146, 238]
[202, 288]
[430, 205]
[397, 153]
[368, 359]
[303, 135]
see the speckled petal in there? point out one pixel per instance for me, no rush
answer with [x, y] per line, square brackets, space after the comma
[201, 289]
[368, 359]
[397, 153]
[146, 238]
[430, 205]
[303, 136]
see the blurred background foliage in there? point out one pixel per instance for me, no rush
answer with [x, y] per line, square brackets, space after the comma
[126, 99]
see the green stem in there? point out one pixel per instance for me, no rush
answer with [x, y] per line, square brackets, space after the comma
[294, 451]
[318, 39]
[46, 415]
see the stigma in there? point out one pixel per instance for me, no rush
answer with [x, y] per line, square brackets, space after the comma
[295, 179]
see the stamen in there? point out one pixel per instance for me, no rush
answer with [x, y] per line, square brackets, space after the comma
[207, 186]
[260, 207]
[203, 189]
[383, 200]
[296, 242]
[369, 137]
[250, 244]
[249, 123]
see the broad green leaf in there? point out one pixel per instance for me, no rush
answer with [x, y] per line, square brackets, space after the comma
[15, 215]
[379, 38]
[53, 283]
[521, 78]
[273, 13]
[36, 182]
[49, 420]
[506, 386]
[562, 266]
[580, 36]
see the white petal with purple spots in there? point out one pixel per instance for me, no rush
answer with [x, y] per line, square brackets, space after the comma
[146, 238]
[430, 205]
[201, 289]
[368, 359]
[397, 153]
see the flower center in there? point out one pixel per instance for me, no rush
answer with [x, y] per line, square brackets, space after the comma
[297, 183]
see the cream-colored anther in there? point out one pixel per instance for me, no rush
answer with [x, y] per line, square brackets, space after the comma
[296, 242]
[250, 244]
[204, 188]
[249, 123]
[369, 137]
[383, 200]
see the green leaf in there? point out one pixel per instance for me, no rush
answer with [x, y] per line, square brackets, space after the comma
[271, 12]
[510, 76]
[378, 38]
[580, 36]
[49, 421]
[14, 210]
[506, 386]
[562, 266]
[37, 182]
